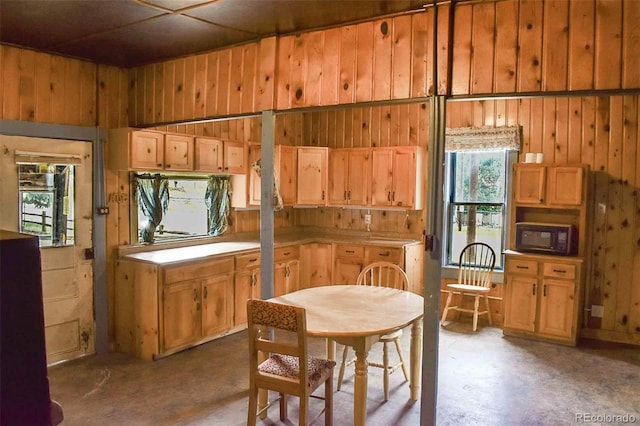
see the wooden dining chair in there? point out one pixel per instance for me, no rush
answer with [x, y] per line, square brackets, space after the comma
[382, 274]
[475, 269]
[277, 332]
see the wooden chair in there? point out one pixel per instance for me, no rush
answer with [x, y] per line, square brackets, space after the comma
[268, 338]
[383, 274]
[475, 269]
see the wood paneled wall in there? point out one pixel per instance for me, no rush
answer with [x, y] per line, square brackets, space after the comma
[602, 132]
[553, 45]
[46, 88]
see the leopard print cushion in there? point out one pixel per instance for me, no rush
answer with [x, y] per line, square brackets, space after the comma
[287, 366]
[274, 315]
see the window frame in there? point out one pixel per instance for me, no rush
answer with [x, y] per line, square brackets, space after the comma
[135, 208]
[511, 157]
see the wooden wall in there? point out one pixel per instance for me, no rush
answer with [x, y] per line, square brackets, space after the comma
[46, 88]
[520, 46]
[602, 132]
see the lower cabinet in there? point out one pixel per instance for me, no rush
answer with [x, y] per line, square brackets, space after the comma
[286, 270]
[196, 308]
[349, 263]
[316, 264]
[246, 285]
[160, 310]
[542, 297]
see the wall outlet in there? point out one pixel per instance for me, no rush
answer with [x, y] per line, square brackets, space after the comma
[367, 219]
[597, 311]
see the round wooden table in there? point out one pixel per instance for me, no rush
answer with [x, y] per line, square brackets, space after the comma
[356, 316]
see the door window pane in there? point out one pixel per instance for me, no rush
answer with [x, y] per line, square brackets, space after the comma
[46, 194]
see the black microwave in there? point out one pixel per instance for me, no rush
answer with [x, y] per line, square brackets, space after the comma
[547, 238]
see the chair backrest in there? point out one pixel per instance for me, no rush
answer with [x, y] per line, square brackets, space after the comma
[476, 264]
[265, 319]
[383, 274]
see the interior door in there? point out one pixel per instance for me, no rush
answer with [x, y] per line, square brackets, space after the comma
[67, 270]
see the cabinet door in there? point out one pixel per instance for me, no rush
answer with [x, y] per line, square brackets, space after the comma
[564, 185]
[338, 176]
[347, 270]
[530, 184]
[247, 286]
[556, 307]
[235, 157]
[216, 304]
[280, 279]
[404, 178]
[208, 155]
[180, 311]
[293, 276]
[287, 163]
[178, 152]
[147, 150]
[520, 302]
[382, 177]
[359, 182]
[312, 176]
[316, 266]
[254, 178]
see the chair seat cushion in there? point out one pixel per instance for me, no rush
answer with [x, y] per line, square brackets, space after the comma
[466, 287]
[318, 369]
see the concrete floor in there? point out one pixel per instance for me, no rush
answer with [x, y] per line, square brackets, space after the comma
[484, 379]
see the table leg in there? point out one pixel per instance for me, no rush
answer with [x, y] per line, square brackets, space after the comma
[416, 359]
[360, 389]
[331, 349]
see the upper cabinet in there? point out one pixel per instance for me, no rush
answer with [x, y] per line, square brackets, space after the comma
[218, 156]
[537, 184]
[350, 176]
[398, 177]
[312, 176]
[285, 162]
[149, 150]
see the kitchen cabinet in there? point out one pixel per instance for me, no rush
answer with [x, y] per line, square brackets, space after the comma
[316, 264]
[148, 150]
[285, 164]
[546, 185]
[543, 296]
[398, 177]
[312, 176]
[349, 262]
[247, 285]
[350, 176]
[220, 156]
[160, 310]
[197, 302]
[286, 270]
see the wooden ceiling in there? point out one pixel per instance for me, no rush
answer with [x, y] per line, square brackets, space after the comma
[129, 33]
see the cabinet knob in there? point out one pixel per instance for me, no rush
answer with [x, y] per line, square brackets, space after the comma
[534, 289]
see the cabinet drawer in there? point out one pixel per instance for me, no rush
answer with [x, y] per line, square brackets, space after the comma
[197, 270]
[523, 267]
[388, 254]
[349, 251]
[559, 270]
[286, 253]
[249, 260]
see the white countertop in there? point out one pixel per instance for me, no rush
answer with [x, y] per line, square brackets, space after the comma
[181, 254]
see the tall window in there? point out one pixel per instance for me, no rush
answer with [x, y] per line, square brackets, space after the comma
[478, 162]
[476, 201]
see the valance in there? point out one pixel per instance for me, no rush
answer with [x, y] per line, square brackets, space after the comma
[482, 139]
